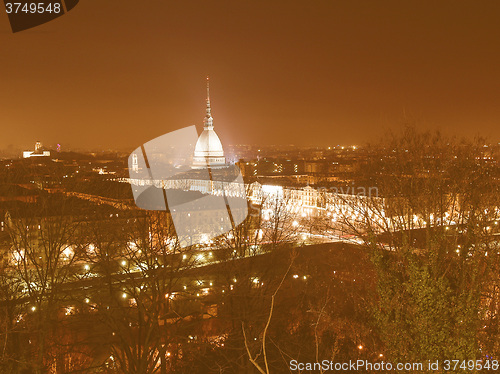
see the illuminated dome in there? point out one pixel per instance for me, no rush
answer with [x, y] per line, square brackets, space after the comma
[208, 145]
[208, 150]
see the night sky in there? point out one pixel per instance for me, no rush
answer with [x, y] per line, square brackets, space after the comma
[117, 73]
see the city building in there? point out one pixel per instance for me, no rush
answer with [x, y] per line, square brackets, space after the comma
[208, 150]
[39, 151]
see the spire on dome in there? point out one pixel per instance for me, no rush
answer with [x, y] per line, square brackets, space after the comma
[209, 121]
[208, 150]
[208, 88]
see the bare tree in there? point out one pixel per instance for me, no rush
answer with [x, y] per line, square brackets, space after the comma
[432, 244]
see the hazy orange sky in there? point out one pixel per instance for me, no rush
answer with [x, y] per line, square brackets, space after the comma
[116, 73]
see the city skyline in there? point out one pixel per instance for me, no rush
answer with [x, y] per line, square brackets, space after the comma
[277, 76]
[211, 187]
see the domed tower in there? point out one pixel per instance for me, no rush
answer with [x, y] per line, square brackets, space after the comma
[208, 150]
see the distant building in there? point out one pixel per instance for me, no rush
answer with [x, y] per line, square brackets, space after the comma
[39, 151]
[206, 197]
[208, 150]
[208, 153]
